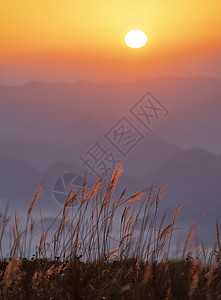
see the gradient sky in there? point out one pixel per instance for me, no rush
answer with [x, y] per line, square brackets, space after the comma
[73, 40]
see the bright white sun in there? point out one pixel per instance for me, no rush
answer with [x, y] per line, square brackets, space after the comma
[135, 38]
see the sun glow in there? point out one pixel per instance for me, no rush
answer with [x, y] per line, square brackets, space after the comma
[135, 38]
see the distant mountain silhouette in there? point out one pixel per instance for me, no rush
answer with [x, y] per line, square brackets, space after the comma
[83, 111]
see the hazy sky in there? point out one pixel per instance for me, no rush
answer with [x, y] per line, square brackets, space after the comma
[72, 40]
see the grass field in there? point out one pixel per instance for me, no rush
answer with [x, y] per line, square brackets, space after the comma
[86, 259]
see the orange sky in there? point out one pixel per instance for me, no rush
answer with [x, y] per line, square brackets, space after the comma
[71, 40]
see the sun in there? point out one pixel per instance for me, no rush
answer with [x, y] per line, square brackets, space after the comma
[135, 38]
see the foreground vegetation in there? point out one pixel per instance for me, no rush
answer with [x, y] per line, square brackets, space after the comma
[87, 258]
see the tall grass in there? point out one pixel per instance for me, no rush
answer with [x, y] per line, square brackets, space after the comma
[107, 248]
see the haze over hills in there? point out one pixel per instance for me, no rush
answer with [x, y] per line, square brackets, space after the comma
[82, 111]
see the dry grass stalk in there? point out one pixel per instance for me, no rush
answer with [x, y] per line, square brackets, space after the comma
[42, 242]
[137, 196]
[195, 279]
[190, 235]
[32, 224]
[112, 184]
[16, 224]
[129, 222]
[12, 274]
[177, 213]
[161, 194]
[63, 220]
[36, 197]
[95, 190]
[165, 234]
[69, 199]
[16, 244]
[112, 254]
[218, 255]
